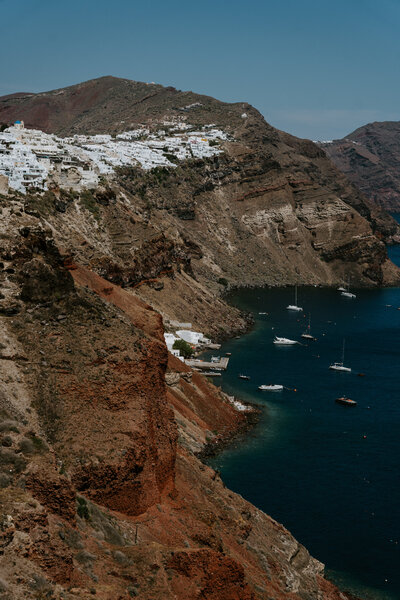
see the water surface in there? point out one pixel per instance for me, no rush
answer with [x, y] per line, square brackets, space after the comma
[329, 473]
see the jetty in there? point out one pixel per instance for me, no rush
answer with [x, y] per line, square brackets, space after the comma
[203, 365]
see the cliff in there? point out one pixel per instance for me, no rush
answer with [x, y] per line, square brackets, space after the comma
[370, 158]
[101, 493]
[270, 209]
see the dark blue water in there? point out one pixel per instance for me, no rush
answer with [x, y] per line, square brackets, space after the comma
[329, 473]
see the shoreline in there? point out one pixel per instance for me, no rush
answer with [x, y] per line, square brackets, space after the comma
[235, 438]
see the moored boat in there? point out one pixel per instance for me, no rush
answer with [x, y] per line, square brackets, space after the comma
[294, 306]
[282, 341]
[339, 366]
[346, 401]
[243, 377]
[306, 335]
[271, 388]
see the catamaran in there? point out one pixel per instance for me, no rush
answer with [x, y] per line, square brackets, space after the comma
[339, 366]
[282, 341]
[294, 306]
[307, 333]
[271, 388]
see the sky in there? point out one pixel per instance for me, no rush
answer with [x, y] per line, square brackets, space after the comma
[315, 68]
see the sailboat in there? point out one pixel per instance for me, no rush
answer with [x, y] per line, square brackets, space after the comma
[307, 334]
[347, 293]
[294, 306]
[339, 366]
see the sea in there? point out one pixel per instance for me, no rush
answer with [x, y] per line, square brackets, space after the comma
[329, 473]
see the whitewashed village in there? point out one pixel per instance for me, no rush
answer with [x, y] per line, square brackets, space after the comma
[32, 159]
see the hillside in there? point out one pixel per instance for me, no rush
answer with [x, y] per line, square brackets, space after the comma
[270, 209]
[370, 158]
[102, 492]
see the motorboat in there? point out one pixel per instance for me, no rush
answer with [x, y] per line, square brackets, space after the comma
[211, 374]
[339, 366]
[307, 333]
[341, 289]
[271, 388]
[244, 377]
[346, 401]
[282, 341]
[294, 306]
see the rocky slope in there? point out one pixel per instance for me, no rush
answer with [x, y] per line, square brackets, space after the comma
[101, 494]
[272, 209]
[101, 490]
[370, 158]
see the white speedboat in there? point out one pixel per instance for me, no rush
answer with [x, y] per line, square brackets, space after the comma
[341, 289]
[271, 388]
[339, 366]
[282, 341]
[294, 306]
[244, 377]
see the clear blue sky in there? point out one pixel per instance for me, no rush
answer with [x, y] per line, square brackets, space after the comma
[315, 68]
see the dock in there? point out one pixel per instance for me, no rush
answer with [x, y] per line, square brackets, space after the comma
[206, 366]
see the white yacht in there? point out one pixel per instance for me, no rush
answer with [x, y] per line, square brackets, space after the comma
[271, 388]
[339, 366]
[282, 341]
[294, 306]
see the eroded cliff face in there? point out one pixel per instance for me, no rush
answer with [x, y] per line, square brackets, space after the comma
[370, 158]
[101, 494]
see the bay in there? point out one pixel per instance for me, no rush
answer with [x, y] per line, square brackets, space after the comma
[328, 472]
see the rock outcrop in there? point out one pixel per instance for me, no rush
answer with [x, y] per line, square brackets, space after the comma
[370, 158]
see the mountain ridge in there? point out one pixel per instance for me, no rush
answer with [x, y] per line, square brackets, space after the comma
[370, 158]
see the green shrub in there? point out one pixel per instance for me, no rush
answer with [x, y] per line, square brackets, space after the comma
[184, 348]
[82, 508]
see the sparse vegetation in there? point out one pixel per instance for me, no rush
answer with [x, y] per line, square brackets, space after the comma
[82, 508]
[184, 348]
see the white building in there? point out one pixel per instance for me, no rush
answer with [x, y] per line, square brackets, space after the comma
[192, 337]
[170, 339]
[30, 157]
